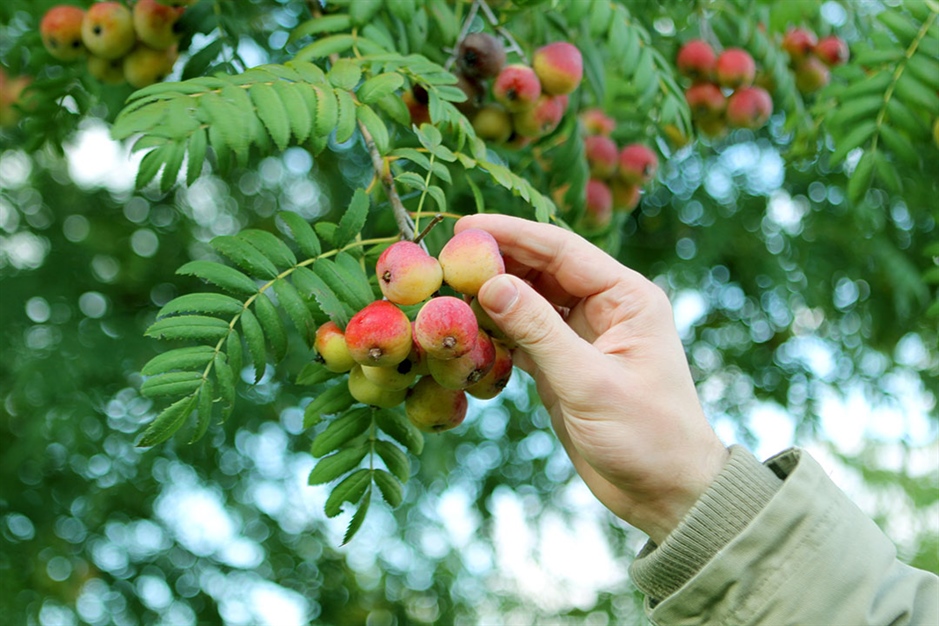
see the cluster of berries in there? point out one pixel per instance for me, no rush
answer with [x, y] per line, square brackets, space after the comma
[120, 45]
[810, 58]
[616, 175]
[722, 93]
[452, 348]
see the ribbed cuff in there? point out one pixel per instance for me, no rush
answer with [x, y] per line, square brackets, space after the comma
[738, 493]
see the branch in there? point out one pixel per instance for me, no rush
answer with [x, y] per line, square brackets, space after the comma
[383, 172]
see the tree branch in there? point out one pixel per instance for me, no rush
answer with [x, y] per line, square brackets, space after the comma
[383, 172]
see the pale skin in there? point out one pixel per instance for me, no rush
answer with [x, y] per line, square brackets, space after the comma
[600, 342]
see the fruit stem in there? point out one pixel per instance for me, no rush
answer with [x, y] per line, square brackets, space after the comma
[433, 222]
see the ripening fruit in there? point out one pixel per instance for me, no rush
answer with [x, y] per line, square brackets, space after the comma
[749, 107]
[706, 101]
[461, 372]
[696, 60]
[156, 24]
[516, 87]
[492, 384]
[445, 328]
[61, 31]
[480, 56]
[432, 408]
[393, 378]
[735, 68]
[331, 348]
[598, 210]
[832, 50]
[625, 196]
[407, 274]
[541, 119]
[367, 392]
[596, 122]
[469, 259]
[106, 71]
[798, 42]
[637, 164]
[379, 335]
[11, 95]
[602, 155]
[475, 93]
[487, 324]
[108, 30]
[146, 66]
[811, 75]
[559, 67]
[420, 112]
[493, 123]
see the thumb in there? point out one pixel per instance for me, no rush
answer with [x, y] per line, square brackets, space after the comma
[532, 323]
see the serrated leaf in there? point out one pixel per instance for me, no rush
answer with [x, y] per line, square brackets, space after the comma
[391, 490]
[377, 87]
[149, 167]
[344, 428]
[902, 27]
[412, 155]
[852, 140]
[925, 68]
[234, 351]
[254, 337]
[394, 424]
[887, 173]
[326, 231]
[335, 465]
[270, 246]
[223, 276]
[350, 489]
[167, 422]
[193, 327]
[299, 115]
[327, 300]
[321, 24]
[345, 120]
[333, 400]
[358, 289]
[860, 107]
[860, 179]
[226, 384]
[302, 233]
[394, 459]
[216, 303]
[336, 277]
[912, 91]
[195, 155]
[244, 255]
[899, 145]
[322, 48]
[309, 72]
[902, 117]
[296, 309]
[352, 221]
[313, 374]
[362, 11]
[273, 327]
[429, 136]
[439, 197]
[356, 522]
[395, 108]
[204, 410]
[189, 358]
[344, 74]
[174, 153]
[171, 384]
[327, 111]
[375, 127]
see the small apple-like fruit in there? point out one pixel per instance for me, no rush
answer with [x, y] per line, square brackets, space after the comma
[832, 50]
[393, 378]
[492, 384]
[475, 93]
[156, 24]
[749, 107]
[445, 328]
[61, 31]
[493, 123]
[541, 119]
[461, 372]
[559, 66]
[11, 98]
[602, 155]
[712, 127]
[734, 68]
[706, 100]
[625, 196]
[811, 75]
[488, 324]
[108, 30]
[598, 210]
[596, 122]
[407, 274]
[696, 60]
[516, 87]
[637, 164]
[146, 66]
[798, 42]
[480, 55]
[432, 408]
[331, 348]
[379, 335]
[469, 259]
[106, 71]
[367, 392]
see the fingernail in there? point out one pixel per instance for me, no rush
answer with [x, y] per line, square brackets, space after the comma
[501, 294]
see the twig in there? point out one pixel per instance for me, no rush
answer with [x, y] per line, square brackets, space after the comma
[463, 33]
[513, 45]
[433, 222]
[405, 224]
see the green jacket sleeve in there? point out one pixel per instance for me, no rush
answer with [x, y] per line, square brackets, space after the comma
[780, 544]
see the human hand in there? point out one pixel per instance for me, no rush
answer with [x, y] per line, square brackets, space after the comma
[600, 342]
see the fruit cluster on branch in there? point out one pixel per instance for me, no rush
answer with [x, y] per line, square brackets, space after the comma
[810, 58]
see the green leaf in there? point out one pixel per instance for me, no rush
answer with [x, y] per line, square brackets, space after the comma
[150, 166]
[324, 296]
[362, 11]
[391, 489]
[887, 173]
[220, 275]
[418, 158]
[322, 24]
[377, 87]
[299, 114]
[270, 246]
[216, 303]
[345, 121]
[190, 358]
[335, 278]
[860, 180]
[926, 69]
[309, 72]
[395, 460]
[167, 422]
[375, 126]
[344, 74]
[234, 350]
[273, 326]
[333, 400]
[356, 522]
[226, 385]
[296, 309]
[327, 111]
[397, 426]
[350, 489]
[254, 337]
[358, 290]
[204, 410]
[859, 107]
[272, 112]
[244, 255]
[341, 430]
[174, 154]
[196, 148]
[302, 233]
[313, 374]
[904, 118]
[914, 92]
[899, 145]
[193, 327]
[171, 384]
[352, 221]
[335, 465]
[905, 30]
[334, 44]
[861, 133]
